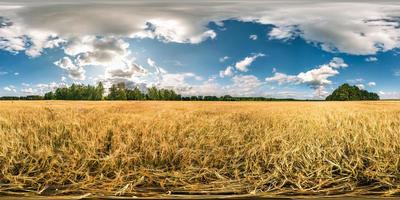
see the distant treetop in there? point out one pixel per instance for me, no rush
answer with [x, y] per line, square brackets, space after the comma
[347, 92]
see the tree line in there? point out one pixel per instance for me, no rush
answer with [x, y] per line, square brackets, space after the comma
[120, 92]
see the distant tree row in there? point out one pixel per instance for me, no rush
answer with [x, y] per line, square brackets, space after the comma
[29, 97]
[120, 92]
[231, 98]
[347, 92]
[77, 92]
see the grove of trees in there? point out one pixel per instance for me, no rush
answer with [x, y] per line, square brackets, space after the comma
[347, 92]
[120, 92]
[77, 92]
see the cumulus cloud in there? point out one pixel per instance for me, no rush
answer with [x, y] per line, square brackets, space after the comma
[223, 59]
[229, 71]
[371, 84]
[253, 37]
[244, 85]
[336, 28]
[316, 78]
[10, 88]
[151, 62]
[371, 59]
[15, 37]
[163, 79]
[41, 88]
[389, 95]
[361, 86]
[241, 85]
[109, 52]
[246, 62]
[357, 80]
[74, 72]
[282, 78]
[283, 33]
[126, 71]
[94, 51]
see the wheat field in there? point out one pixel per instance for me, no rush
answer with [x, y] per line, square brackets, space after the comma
[148, 149]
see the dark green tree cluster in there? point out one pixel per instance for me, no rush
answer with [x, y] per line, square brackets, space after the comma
[120, 92]
[29, 97]
[77, 92]
[231, 98]
[347, 92]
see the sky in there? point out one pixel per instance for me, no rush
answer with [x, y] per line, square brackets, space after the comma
[282, 49]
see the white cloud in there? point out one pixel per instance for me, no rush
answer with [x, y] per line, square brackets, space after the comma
[74, 72]
[244, 85]
[177, 80]
[10, 88]
[253, 37]
[371, 59]
[337, 63]
[389, 95]
[316, 78]
[335, 27]
[3, 73]
[163, 79]
[229, 71]
[246, 62]
[105, 51]
[41, 88]
[282, 78]
[282, 33]
[223, 59]
[16, 73]
[29, 91]
[109, 52]
[371, 84]
[150, 62]
[354, 81]
[361, 86]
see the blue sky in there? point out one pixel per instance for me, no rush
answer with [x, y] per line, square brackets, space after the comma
[241, 48]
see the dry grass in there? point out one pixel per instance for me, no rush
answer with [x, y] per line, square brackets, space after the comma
[148, 148]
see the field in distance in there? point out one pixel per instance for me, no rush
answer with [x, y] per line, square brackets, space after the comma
[207, 148]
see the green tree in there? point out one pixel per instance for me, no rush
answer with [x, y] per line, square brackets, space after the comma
[117, 92]
[49, 96]
[99, 91]
[153, 93]
[347, 92]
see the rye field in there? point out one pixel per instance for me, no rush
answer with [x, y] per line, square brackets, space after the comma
[167, 149]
